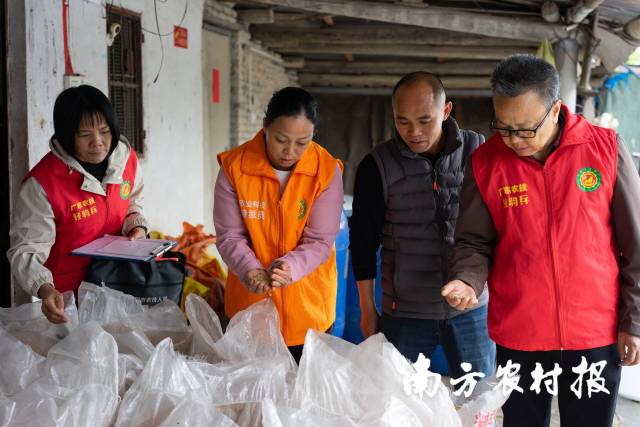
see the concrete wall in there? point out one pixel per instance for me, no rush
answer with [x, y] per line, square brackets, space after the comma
[179, 159]
[216, 53]
[45, 70]
[172, 106]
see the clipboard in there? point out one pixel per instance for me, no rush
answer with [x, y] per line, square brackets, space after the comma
[120, 247]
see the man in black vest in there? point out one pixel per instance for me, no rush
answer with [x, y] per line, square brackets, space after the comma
[406, 199]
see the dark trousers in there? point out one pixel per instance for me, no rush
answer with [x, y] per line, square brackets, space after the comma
[464, 338]
[529, 409]
[296, 350]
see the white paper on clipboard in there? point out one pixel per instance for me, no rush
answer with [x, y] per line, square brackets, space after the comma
[120, 247]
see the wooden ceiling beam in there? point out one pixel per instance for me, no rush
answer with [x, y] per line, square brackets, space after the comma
[462, 68]
[428, 17]
[465, 53]
[286, 36]
[377, 80]
[256, 16]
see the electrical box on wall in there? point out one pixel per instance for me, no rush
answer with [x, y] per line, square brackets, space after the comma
[72, 80]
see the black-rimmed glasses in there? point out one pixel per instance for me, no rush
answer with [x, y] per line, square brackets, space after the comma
[520, 133]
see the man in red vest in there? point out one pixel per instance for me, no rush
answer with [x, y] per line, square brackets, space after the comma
[549, 220]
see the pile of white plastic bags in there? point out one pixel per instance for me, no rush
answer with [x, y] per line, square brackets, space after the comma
[118, 363]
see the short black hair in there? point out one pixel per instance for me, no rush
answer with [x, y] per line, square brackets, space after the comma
[292, 101]
[423, 77]
[74, 104]
[521, 73]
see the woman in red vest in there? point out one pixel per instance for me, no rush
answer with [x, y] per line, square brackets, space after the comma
[87, 186]
[278, 199]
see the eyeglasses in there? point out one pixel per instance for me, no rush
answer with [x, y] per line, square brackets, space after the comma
[520, 133]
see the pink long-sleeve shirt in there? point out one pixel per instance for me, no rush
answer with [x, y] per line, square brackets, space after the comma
[315, 246]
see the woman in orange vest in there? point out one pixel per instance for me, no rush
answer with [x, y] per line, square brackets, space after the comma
[87, 186]
[278, 199]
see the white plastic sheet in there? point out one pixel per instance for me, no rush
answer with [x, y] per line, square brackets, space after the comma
[27, 323]
[166, 385]
[366, 384]
[76, 384]
[480, 409]
[253, 333]
[20, 364]
[89, 355]
[245, 376]
[50, 405]
[119, 313]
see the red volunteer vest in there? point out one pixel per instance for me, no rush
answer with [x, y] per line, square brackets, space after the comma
[554, 279]
[80, 216]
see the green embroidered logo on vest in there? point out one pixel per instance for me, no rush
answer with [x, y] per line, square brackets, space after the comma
[588, 179]
[302, 208]
[125, 190]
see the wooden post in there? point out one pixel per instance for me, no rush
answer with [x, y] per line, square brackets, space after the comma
[565, 53]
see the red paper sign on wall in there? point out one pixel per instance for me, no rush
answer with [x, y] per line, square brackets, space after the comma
[180, 37]
[215, 83]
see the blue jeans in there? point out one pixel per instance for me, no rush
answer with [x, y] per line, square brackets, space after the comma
[464, 338]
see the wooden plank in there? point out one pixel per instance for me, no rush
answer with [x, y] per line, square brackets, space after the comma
[462, 68]
[377, 80]
[294, 62]
[440, 18]
[280, 36]
[469, 52]
[582, 9]
[386, 91]
[256, 16]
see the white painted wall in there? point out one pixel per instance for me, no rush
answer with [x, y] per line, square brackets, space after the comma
[45, 68]
[173, 110]
[216, 53]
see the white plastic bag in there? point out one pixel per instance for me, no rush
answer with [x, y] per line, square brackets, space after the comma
[194, 411]
[481, 407]
[366, 384]
[165, 381]
[284, 416]
[252, 333]
[104, 305]
[249, 381]
[76, 385]
[20, 364]
[164, 320]
[7, 410]
[119, 313]
[89, 355]
[129, 368]
[206, 328]
[49, 405]
[27, 323]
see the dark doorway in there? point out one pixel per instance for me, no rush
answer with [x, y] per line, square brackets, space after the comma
[5, 272]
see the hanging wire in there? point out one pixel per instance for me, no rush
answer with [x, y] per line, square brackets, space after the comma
[157, 32]
[155, 9]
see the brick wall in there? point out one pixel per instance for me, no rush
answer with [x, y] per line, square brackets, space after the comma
[261, 74]
[256, 73]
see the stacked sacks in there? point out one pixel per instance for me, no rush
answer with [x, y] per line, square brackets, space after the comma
[125, 352]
